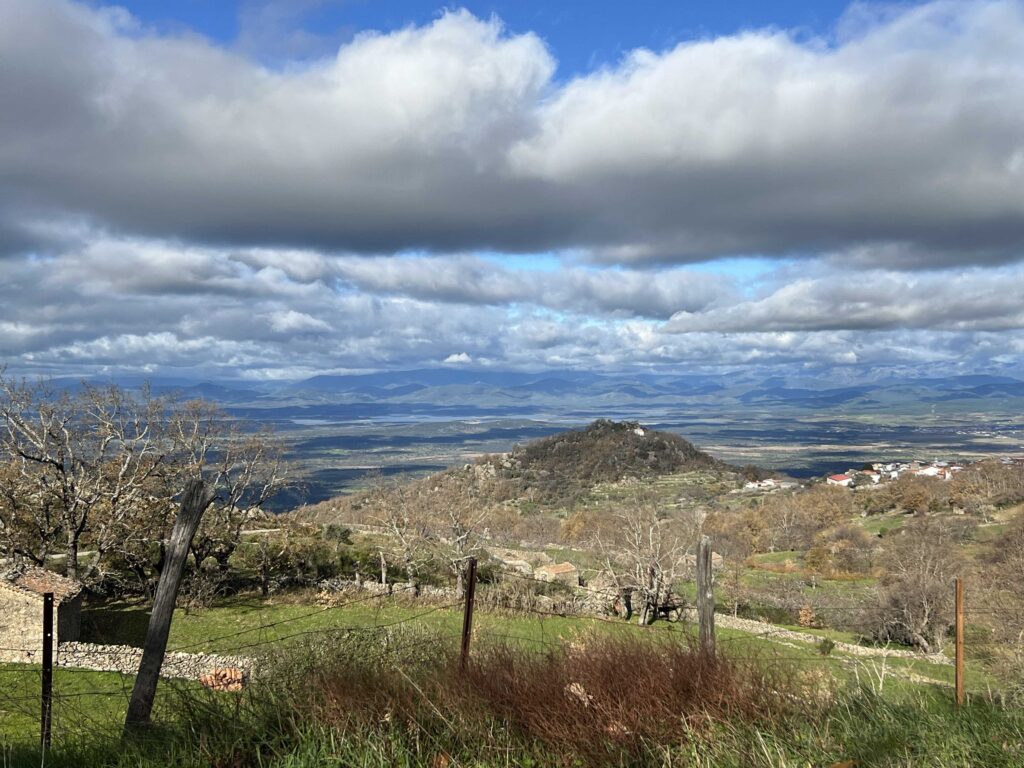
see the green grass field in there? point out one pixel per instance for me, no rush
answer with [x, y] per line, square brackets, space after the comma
[91, 705]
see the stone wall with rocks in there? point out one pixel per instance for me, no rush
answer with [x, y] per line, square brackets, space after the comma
[125, 659]
[21, 623]
[21, 626]
[336, 589]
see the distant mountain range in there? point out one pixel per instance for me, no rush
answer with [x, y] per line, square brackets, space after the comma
[566, 391]
[340, 427]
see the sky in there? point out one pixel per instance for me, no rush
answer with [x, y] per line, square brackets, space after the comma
[271, 190]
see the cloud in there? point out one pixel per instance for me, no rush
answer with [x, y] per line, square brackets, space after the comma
[858, 299]
[169, 203]
[133, 304]
[274, 30]
[902, 132]
[290, 321]
[472, 280]
[389, 143]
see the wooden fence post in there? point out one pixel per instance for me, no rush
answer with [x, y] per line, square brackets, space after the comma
[959, 642]
[194, 501]
[467, 614]
[705, 597]
[46, 715]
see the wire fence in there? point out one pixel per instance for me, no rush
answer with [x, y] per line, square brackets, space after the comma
[400, 623]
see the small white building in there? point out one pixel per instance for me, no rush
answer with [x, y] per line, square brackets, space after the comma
[841, 480]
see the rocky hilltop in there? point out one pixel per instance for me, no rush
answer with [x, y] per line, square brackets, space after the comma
[564, 465]
[552, 472]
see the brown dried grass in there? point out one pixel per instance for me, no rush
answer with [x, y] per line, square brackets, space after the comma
[598, 700]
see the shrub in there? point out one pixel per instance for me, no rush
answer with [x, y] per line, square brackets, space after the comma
[806, 617]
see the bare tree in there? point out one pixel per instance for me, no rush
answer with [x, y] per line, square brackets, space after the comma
[985, 485]
[648, 554]
[30, 523]
[71, 459]
[456, 506]
[133, 478]
[245, 467]
[916, 599]
[100, 468]
[393, 508]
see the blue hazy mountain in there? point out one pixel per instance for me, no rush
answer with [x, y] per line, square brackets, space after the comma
[564, 391]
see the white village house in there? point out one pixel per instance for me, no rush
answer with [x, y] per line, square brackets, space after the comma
[841, 480]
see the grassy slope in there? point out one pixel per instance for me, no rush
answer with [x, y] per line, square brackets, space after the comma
[254, 626]
[91, 704]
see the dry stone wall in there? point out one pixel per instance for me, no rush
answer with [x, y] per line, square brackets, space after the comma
[125, 659]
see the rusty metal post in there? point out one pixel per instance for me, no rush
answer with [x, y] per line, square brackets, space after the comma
[467, 615]
[959, 642]
[46, 715]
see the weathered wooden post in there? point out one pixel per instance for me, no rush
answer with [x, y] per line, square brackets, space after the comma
[194, 501]
[46, 715]
[705, 597]
[959, 641]
[467, 615]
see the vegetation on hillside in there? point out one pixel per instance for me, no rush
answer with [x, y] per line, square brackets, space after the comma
[559, 468]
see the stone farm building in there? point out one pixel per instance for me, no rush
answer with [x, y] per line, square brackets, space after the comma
[21, 612]
[566, 573]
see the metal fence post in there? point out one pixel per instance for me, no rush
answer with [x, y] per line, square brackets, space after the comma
[959, 642]
[46, 715]
[467, 615]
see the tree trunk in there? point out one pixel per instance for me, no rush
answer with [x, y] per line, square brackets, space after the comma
[71, 567]
[265, 579]
[413, 582]
[627, 603]
[460, 584]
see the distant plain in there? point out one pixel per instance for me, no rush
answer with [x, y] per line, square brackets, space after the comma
[342, 429]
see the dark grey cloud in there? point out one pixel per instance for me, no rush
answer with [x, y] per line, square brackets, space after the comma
[905, 130]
